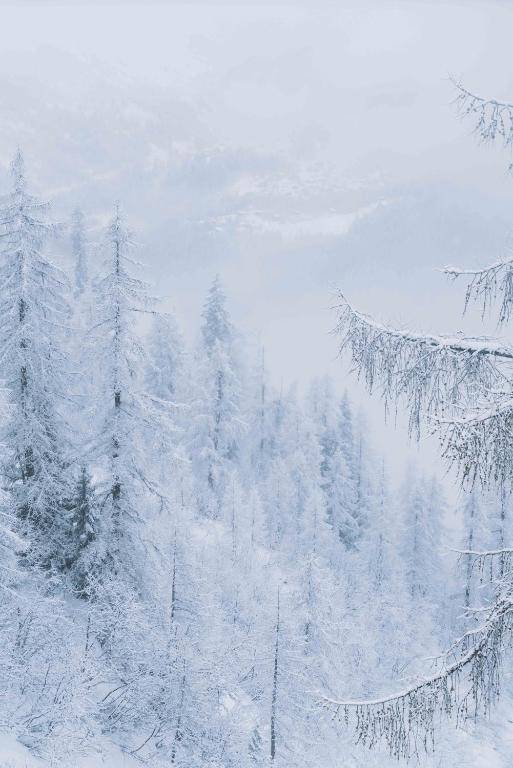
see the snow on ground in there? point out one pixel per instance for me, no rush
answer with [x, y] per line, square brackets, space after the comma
[16, 755]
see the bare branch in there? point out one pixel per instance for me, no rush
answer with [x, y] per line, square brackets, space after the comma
[487, 284]
[492, 119]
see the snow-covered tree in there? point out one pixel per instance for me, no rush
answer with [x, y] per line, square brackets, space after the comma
[80, 346]
[216, 409]
[462, 386]
[258, 410]
[275, 682]
[475, 530]
[165, 374]
[333, 421]
[127, 418]
[202, 639]
[83, 509]
[34, 316]
[79, 253]
[420, 540]
[217, 327]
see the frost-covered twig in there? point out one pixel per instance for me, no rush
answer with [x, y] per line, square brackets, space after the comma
[486, 284]
[485, 552]
[492, 118]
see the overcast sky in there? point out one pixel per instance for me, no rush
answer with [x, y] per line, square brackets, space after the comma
[293, 148]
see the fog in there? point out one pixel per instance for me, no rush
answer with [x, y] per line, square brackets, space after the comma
[295, 149]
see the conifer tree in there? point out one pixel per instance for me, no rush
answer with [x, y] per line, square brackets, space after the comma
[216, 409]
[126, 415]
[34, 316]
[84, 523]
[420, 534]
[334, 429]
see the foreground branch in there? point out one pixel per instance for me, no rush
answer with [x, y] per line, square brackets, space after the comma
[462, 689]
[486, 285]
[434, 373]
[492, 119]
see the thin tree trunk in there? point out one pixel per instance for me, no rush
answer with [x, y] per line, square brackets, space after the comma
[274, 699]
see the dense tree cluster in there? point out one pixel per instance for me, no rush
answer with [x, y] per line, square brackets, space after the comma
[192, 561]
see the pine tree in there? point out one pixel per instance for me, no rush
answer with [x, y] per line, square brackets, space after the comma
[34, 314]
[381, 540]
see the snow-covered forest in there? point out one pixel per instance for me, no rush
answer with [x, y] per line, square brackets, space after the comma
[195, 564]
[255, 436]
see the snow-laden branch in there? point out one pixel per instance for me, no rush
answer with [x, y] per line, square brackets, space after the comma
[434, 373]
[495, 562]
[487, 284]
[467, 686]
[484, 552]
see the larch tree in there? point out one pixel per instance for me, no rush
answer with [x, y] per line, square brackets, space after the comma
[126, 414]
[34, 316]
[463, 387]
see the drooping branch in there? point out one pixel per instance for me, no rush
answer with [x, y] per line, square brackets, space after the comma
[485, 553]
[464, 385]
[493, 120]
[435, 374]
[496, 563]
[464, 688]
